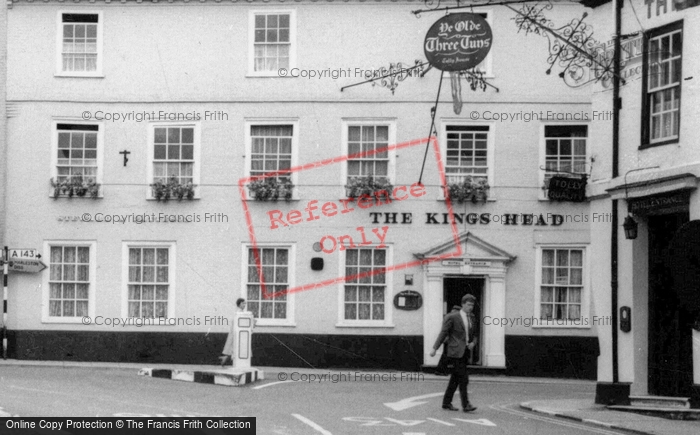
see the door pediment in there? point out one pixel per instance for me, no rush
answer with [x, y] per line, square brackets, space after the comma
[471, 246]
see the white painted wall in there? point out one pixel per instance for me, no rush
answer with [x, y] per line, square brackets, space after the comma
[677, 158]
[193, 58]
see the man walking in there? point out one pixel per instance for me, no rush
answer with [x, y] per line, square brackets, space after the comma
[461, 330]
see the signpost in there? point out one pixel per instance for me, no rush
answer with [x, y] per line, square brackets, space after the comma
[16, 260]
[4, 303]
[27, 266]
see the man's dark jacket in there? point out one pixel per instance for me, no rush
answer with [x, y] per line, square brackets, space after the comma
[454, 331]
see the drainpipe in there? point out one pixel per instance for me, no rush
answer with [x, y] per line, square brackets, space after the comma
[617, 104]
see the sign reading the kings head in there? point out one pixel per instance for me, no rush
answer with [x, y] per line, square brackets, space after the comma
[458, 42]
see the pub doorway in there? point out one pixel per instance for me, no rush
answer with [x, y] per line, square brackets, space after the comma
[453, 290]
[670, 334]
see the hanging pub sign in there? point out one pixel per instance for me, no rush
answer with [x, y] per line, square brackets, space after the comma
[562, 188]
[458, 42]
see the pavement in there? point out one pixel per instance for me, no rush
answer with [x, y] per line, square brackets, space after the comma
[587, 412]
[581, 410]
[273, 373]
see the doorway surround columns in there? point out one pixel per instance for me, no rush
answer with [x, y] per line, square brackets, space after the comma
[478, 259]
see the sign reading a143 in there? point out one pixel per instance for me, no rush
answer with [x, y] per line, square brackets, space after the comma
[15, 254]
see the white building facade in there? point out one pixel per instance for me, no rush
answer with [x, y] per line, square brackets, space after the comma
[654, 184]
[130, 95]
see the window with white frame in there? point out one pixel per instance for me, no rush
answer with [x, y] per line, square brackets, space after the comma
[663, 78]
[80, 44]
[271, 149]
[272, 301]
[70, 280]
[565, 150]
[467, 152]
[149, 281]
[272, 37]
[174, 155]
[365, 293]
[76, 152]
[561, 284]
[362, 140]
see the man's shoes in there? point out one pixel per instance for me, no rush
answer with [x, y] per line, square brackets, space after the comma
[450, 407]
[469, 408]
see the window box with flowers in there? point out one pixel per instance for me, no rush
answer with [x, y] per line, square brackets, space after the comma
[271, 189]
[76, 185]
[472, 189]
[172, 189]
[358, 186]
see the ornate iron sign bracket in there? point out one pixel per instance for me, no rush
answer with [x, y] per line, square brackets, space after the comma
[390, 77]
[571, 46]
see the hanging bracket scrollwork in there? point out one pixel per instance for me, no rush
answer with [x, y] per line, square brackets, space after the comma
[571, 47]
[391, 76]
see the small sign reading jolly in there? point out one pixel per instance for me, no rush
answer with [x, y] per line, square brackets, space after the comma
[458, 42]
[567, 189]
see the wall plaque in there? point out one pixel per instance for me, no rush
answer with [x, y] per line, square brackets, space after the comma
[665, 202]
[408, 300]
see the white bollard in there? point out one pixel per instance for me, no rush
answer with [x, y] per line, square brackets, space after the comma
[243, 331]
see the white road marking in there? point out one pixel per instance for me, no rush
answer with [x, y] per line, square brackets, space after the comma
[404, 422]
[481, 421]
[5, 414]
[440, 421]
[270, 384]
[414, 433]
[368, 421]
[312, 424]
[411, 402]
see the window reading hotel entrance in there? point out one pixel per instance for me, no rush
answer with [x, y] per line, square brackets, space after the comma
[453, 290]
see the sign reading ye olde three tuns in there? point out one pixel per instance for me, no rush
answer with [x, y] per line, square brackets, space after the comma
[458, 42]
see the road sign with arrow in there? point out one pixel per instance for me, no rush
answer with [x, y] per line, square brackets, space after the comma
[26, 265]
